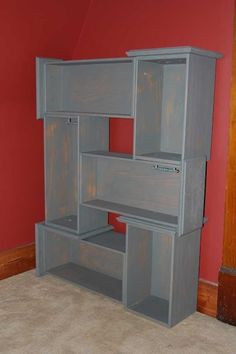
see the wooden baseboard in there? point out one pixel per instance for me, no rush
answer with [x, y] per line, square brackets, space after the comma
[226, 309]
[17, 260]
[21, 259]
[207, 298]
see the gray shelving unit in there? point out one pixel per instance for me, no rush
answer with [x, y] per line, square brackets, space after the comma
[158, 189]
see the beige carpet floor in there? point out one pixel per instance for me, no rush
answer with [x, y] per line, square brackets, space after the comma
[49, 316]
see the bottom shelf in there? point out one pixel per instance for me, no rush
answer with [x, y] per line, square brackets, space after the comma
[90, 279]
[154, 307]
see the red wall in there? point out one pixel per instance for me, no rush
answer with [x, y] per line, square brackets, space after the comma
[56, 28]
[112, 27]
[27, 29]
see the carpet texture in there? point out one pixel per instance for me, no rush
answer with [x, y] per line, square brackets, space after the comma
[49, 316]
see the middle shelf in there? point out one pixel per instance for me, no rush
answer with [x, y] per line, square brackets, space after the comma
[148, 215]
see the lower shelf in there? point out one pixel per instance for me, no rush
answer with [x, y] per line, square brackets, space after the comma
[90, 279]
[154, 307]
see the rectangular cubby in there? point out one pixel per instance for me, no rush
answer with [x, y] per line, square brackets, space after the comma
[95, 262]
[102, 87]
[61, 174]
[65, 137]
[161, 272]
[161, 90]
[117, 185]
[148, 273]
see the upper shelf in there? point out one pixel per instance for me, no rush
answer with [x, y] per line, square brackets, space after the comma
[169, 93]
[87, 87]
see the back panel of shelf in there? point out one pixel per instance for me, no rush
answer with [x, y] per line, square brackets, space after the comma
[61, 177]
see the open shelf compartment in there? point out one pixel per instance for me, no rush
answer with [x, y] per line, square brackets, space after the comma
[94, 262]
[160, 111]
[161, 272]
[130, 187]
[101, 88]
[148, 270]
[90, 279]
[61, 174]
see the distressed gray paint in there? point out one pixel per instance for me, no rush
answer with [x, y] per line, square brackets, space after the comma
[132, 183]
[98, 88]
[61, 179]
[148, 112]
[174, 52]
[138, 265]
[192, 195]
[161, 265]
[199, 108]
[185, 276]
[103, 260]
[159, 189]
[41, 85]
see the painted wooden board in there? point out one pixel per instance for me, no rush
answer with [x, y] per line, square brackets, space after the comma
[41, 95]
[192, 195]
[200, 94]
[103, 260]
[138, 263]
[173, 51]
[185, 276]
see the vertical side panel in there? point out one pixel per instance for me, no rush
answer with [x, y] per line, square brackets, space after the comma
[200, 94]
[193, 192]
[161, 265]
[185, 276]
[40, 250]
[137, 281]
[148, 112]
[41, 85]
